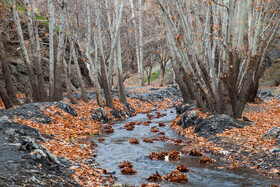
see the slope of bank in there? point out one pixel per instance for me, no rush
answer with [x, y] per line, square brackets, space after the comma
[46, 143]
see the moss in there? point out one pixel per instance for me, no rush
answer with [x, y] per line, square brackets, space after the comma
[154, 76]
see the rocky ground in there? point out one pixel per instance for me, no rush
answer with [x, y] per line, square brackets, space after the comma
[252, 141]
[40, 143]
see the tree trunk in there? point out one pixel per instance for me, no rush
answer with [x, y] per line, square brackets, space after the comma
[93, 65]
[68, 83]
[83, 89]
[182, 85]
[162, 71]
[5, 98]
[51, 48]
[7, 74]
[105, 85]
[140, 65]
[37, 59]
[121, 90]
[32, 77]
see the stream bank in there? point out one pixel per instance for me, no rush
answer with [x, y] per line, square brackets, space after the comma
[59, 155]
[40, 142]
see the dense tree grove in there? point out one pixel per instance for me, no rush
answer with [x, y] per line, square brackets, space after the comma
[216, 47]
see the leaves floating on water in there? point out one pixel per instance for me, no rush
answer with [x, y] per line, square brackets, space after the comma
[129, 126]
[161, 124]
[154, 177]
[195, 152]
[147, 140]
[157, 156]
[134, 141]
[182, 168]
[101, 139]
[206, 159]
[108, 129]
[128, 171]
[154, 129]
[150, 185]
[125, 164]
[174, 155]
[176, 176]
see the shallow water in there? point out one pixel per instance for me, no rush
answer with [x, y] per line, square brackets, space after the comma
[117, 148]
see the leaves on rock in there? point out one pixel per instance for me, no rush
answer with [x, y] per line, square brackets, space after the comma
[207, 160]
[176, 176]
[154, 178]
[182, 168]
[125, 164]
[134, 141]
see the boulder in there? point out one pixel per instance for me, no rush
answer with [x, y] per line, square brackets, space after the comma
[67, 108]
[273, 133]
[99, 115]
[210, 126]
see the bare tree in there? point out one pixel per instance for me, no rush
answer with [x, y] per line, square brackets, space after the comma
[23, 44]
[219, 45]
[10, 89]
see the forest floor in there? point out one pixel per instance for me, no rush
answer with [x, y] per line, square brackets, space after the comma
[50, 141]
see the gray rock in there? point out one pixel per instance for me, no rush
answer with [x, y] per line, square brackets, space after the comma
[265, 94]
[38, 154]
[273, 133]
[100, 115]
[67, 108]
[5, 119]
[210, 126]
[169, 78]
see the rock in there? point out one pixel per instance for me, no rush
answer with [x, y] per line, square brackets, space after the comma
[125, 164]
[206, 159]
[180, 109]
[128, 171]
[110, 172]
[38, 154]
[276, 150]
[265, 94]
[117, 185]
[211, 125]
[67, 108]
[176, 176]
[116, 113]
[154, 177]
[182, 168]
[273, 133]
[5, 119]
[169, 78]
[134, 141]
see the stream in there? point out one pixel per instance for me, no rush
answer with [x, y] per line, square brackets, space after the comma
[116, 148]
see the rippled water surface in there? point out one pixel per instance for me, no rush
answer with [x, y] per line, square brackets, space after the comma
[117, 148]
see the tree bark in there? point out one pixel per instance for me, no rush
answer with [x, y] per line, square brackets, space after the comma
[83, 89]
[7, 74]
[32, 77]
[37, 59]
[58, 92]
[121, 90]
[5, 98]
[68, 83]
[51, 48]
[105, 85]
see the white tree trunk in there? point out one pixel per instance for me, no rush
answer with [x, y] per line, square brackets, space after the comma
[51, 48]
